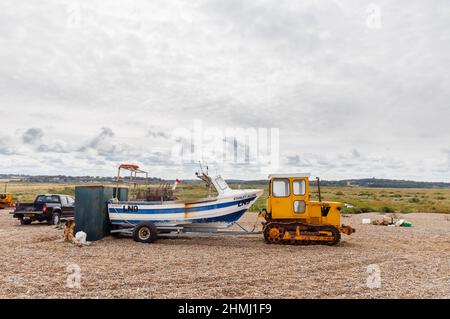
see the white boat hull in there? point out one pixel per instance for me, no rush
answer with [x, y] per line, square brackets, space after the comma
[218, 212]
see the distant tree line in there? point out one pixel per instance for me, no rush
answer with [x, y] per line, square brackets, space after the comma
[364, 182]
[383, 183]
[70, 179]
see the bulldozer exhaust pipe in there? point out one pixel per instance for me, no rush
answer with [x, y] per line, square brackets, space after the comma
[318, 188]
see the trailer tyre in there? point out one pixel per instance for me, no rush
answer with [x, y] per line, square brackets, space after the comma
[55, 219]
[145, 232]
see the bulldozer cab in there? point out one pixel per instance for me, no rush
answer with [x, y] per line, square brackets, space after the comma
[288, 195]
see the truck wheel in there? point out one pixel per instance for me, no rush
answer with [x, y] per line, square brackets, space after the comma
[25, 222]
[145, 232]
[55, 220]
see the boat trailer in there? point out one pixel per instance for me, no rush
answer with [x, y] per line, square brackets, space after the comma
[187, 231]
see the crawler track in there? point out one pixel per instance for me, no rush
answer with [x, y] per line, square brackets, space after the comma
[296, 233]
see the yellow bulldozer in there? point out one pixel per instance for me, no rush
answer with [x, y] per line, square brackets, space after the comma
[6, 199]
[292, 218]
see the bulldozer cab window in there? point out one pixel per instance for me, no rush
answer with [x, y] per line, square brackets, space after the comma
[299, 187]
[280, 187]
[299, 206]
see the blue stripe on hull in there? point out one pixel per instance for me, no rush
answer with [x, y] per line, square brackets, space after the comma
[181, 210]
[229, 218]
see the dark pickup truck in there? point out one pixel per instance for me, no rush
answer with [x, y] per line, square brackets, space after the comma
[50, 208]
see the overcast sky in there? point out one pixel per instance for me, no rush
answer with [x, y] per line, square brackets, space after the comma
[355, 88]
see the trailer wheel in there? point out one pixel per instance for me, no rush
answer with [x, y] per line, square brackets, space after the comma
[55, 219]
[145, 232]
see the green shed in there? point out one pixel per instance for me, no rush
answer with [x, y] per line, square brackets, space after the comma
[91, 211]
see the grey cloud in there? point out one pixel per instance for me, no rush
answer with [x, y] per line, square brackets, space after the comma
[106, 146]
[105, 134]
[158, 134]
[271, 21]
[54, 161]
[352, 155]
[355, 153]
[53, 148]
[155, 158]
[339, 162]
[6, 150]
[325, 162]
[296, 160]
[32, 135]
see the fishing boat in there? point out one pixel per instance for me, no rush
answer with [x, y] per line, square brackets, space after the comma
[220, 211]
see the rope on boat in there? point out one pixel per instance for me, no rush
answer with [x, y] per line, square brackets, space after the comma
[126, 221]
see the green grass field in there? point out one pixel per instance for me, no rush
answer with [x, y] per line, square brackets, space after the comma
[362, 199]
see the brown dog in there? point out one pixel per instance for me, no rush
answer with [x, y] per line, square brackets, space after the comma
[68, 231]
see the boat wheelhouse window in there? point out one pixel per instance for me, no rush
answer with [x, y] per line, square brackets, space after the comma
[222, 184]
[280, 187]
[299, 187]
